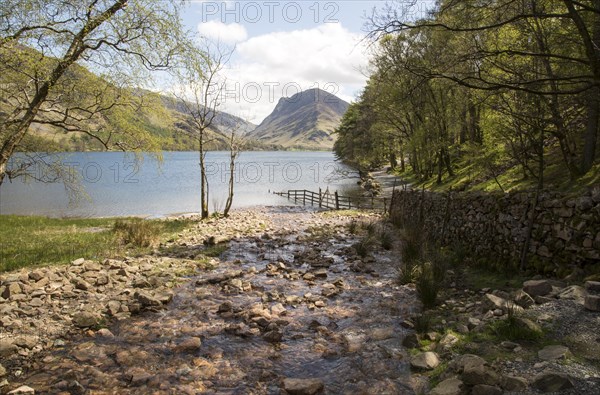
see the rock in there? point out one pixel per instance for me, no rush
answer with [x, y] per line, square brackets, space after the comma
[573, 292]
[78, 262]
[537, 287]
[81, 284]
[91, 267]
[410, 341]
[273, 336]
[513, 384]
[278, 309]
[493, 302]
[550, 353]
[309, 277]
[479, 374]
[2, 371]
[552, 381]
[303, 386]
[105, 333]
[220, 277]
[22, 390]
[11, 290]
[448, 340]
[7, 348]
[113, 307]
[425, 361]
[452, 386]
[320, 273]
[483, 389]
[27, 341]
[36, 275]
[86, 319]
[527, 324]
[191, 344]
[147, 300]
[354, 342]
[225, 307]
[523, 299]
[592, 286]
[592, 302]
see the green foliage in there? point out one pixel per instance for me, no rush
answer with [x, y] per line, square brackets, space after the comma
[497, 100]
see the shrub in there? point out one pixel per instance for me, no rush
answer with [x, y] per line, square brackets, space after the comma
[370, 227]
[514, 328]
[422, 323]
[353, 227]
[364, 246]
[387, 240]
[413, 245]
[137, 232]
[427, 286]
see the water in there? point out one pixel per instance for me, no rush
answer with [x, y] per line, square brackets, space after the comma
[114, 186]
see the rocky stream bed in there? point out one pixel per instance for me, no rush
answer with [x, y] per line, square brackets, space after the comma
[287, 307]
[276, 300]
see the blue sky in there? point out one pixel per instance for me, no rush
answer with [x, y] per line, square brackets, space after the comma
[282, 47]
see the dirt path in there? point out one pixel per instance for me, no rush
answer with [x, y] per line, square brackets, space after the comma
[291, 307]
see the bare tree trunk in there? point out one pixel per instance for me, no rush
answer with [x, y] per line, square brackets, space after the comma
[591, 132]
[231, 185]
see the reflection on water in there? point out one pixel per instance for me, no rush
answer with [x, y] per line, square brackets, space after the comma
[115, 186]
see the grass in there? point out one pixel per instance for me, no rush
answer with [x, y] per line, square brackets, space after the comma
[478, 278]
[427, 285]
[364, 246]
[469, 178]
[34, 241]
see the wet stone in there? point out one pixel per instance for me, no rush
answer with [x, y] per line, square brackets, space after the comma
[302, 386]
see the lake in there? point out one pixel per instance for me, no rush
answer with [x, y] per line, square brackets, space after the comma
[114, 186]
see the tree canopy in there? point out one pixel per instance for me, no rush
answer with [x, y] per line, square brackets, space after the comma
[502, 83]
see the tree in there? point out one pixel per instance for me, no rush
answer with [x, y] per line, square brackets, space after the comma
[236, 143]
[42, 45]
[200, 90]
[499, 37]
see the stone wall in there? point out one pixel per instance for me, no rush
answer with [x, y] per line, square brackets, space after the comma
[566, 229]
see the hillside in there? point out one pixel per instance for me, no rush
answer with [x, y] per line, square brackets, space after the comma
[160, 115]
[303, 121]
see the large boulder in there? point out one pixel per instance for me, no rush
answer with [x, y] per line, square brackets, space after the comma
[513, 383]
[452, 386]
[479, 374]
[552, 382]
[537, 287]
[425, 361]
[592, 302]
[593, 287]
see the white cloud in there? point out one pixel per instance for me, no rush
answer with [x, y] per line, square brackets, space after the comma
[328, 56]
[228, 33]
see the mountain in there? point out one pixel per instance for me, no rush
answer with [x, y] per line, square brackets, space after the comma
[303, 121]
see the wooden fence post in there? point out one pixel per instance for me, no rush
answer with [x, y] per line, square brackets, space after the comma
[304, 198]
[337, 201]
[320, 198]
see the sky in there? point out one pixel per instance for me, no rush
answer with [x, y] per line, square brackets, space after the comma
[283, 47]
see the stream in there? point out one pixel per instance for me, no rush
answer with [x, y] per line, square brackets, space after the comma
[294, 303]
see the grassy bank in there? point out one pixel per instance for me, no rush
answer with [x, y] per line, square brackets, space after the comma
[31, 241]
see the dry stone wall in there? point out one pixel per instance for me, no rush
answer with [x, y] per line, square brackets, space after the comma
[566, 229]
